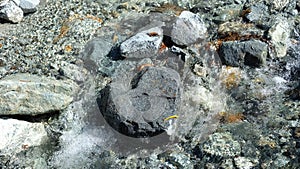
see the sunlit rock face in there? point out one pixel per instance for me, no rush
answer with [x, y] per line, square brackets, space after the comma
[157, 81]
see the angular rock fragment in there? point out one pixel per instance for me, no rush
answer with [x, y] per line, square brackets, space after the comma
[137, 105]
[143, 44]
[188, 29]
[259, 15]
[252, 53]
[29, 5]
[25, 94]
[11, 12]
[17, 135]
[279, 34]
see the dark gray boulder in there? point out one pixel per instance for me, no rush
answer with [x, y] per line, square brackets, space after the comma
[251, 53]
[137, 105]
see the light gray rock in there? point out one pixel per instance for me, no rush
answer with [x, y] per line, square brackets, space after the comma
[279, 34]
[245, 163]
[222, 145]
[26, 94]
[188, 29]
[11, 12]
[29, 5]
[143, 44]
[3, 2]
[17, 136]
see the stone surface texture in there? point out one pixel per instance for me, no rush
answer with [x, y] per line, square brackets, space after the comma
[11, 12]
[188, 29]
[17, 135]
[26, 94]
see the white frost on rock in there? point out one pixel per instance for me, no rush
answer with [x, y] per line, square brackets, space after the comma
[17, 135]
[11, 12]
[31, 94]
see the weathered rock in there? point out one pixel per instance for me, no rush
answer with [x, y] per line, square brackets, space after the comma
[188, 29]
[26, 94]
[279, 34]
[17, 136]
[279, 4]
[259, 14]
[222, 145]
[252, 53]
[3, 2]
[95, 55]
[241, 30]
[137, 104]
[143, 44]
[245, 163]
[11, 12]
[29, 5]
[230, 12]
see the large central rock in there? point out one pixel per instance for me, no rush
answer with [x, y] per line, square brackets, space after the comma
[137, 105]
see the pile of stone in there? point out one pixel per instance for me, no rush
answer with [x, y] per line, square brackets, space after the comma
[14, 10]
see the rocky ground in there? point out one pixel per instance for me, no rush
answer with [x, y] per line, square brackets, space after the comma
[156, 84]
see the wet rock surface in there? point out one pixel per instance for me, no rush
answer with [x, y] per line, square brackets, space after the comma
[216, 84]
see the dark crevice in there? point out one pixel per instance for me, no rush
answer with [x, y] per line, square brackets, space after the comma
[33, 118]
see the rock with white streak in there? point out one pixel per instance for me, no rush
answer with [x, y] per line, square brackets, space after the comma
[11, 12]
[26, 94]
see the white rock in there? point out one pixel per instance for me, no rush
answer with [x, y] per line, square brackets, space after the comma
[279, 34]
[17, 135]
[11, 12]
[3, 2]
[144, 44]
[188, 29]
[29, 5]
[31, 94]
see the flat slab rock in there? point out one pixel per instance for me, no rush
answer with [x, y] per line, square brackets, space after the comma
[17, 135]
[26, 94]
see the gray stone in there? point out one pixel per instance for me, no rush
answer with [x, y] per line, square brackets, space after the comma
[229, 13]
[252, 53]
[258, 14]
[222, 144]
[95, 55]
[26, 94]
[17, 136]
[29, 5]
[143, 44]
[188, 29]
[11, 12]
[279, 4]
[279, 34]
[137, 104]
